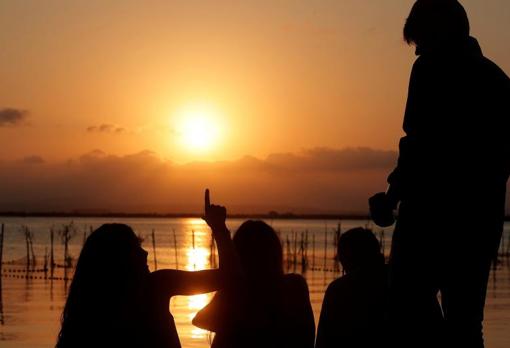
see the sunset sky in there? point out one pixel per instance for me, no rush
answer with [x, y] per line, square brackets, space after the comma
[88, 86]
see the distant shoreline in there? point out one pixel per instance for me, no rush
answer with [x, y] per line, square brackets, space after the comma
[272, 215]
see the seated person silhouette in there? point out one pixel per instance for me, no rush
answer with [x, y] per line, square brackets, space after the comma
[354, 308]
[115, 301]
[268, 308]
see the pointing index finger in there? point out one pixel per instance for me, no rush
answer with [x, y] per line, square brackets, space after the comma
[207, 200]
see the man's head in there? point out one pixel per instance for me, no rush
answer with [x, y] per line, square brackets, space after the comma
[436, 23]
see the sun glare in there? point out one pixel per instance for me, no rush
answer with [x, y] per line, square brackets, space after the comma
[198, 127]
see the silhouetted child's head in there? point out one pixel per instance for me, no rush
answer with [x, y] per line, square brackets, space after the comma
[359, 248]
[434, 23]
[259, 249]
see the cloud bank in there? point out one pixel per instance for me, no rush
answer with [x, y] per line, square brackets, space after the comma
[106, 128]
[12, 117]
[319, 180]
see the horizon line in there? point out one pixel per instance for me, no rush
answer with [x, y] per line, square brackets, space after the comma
[270, 215]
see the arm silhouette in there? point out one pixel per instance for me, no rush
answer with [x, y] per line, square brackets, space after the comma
[176, 282]
[383, 204]
[407, 144]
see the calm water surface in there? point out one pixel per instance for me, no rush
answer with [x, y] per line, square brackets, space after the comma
[30, 308]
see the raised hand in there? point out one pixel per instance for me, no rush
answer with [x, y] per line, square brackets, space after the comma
[214, 215]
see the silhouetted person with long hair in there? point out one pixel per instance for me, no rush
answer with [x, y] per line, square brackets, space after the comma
[450, 181]
[354, 310]
[114, 301]
[267, 309]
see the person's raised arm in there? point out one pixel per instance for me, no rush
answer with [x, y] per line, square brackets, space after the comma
[190, 283]
[215, 216]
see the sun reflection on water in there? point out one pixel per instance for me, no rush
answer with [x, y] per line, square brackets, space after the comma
[198, 301]
[197, 258]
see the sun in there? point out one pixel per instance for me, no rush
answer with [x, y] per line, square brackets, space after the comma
[198, 127]
[195, 133]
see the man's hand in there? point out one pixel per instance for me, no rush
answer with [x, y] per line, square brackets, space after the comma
[215, 215]
[381, 210]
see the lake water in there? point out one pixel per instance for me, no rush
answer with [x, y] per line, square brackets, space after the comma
[30, 307]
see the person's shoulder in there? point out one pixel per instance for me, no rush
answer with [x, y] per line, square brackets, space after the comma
[494, 69]
[294, 279]
[338, 285]
[295, 282]
[338, 293]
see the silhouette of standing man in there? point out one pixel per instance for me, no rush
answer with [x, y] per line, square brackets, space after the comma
[450, 181]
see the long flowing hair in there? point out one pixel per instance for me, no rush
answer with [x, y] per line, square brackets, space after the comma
[259, 249]
[104, 304]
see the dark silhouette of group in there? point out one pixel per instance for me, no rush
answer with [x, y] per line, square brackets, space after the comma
[448, 191]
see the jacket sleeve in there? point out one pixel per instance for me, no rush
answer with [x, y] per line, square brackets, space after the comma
[397, 179]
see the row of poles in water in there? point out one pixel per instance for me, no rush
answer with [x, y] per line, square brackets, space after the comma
[301, 250]
[295, 246]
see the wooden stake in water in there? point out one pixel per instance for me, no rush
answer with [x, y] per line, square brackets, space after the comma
[313, 251]
[306, 248]
[45, 268]
[66, 247]
[52, 257]
[287, 244]
[33, 261]
[26, 233]
[175, 249]
[154, 249]
[302, 251]
[325, 246]
[294, 235]
[66, 235]
[193, 246]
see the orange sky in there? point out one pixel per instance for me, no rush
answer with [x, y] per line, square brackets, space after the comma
[282, 75]
[274, 76]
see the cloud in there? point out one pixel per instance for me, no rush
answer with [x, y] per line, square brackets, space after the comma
[12, 117]
[106, 128]
[33, 160]
[325, 159]
[317, 180]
